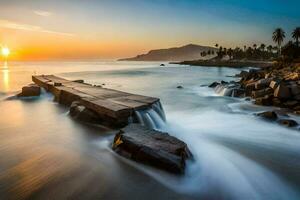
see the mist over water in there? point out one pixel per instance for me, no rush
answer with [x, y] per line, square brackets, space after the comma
[237, 155]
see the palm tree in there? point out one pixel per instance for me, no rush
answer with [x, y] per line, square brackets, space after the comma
[262, 47]
[296, 35]
[270, 48]
[278, 37]
[254, 46]
[245, 47]
[216, 45]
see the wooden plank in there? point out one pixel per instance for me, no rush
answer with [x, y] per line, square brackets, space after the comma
[113, 105]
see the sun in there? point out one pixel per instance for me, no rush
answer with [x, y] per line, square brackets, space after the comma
[5, 51]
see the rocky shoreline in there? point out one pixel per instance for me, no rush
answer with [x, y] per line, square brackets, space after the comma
[134, 140]
[277, 86]
[224, 63]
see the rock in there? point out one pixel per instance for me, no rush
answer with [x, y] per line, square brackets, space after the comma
[243, 74]
[249, 88]
[179, 87]
[282, 91]
[79, 81]
[162, 65]
[261, 93]
[264, 101]
[295, 89]
[297, 97]
[82, 113]
[294, 76]
[268, 115]
[238, 93]
[224, 82]
[291, 104]
[276, 102]
[273, 84]
[30, 90]
[214, 84]
[152, 147]
[288, 122]
[263, 83]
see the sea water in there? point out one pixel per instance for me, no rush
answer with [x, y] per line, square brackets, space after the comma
[45, 153]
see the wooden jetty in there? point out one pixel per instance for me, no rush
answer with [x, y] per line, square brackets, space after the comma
[113, 106]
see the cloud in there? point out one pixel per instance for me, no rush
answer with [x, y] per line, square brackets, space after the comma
[27, 27]
[42, 13]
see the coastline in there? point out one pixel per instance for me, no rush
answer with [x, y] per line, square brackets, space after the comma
[233, 63]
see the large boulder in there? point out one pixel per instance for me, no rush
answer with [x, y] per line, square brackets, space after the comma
[152, 147]
[30, 90]
[282, 91]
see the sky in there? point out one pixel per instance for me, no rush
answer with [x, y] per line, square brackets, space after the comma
[109, 29]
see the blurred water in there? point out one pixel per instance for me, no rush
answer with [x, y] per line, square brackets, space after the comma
[237, 156]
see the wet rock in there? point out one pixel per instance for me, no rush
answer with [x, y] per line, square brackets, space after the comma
[214, 84]
[288, 122]
[264, 101]
[276, 102]
[79, 112]
[224, 82]
[179, 87]
[79, 81]
[295, 89]
[238, 93]
[291, 104]
[261, 93]
[262, 83]
[30, 90]
[268, 115]
[152, 147]
[282, 91]
[162, 65]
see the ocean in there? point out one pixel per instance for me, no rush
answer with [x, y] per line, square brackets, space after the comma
[45, 154]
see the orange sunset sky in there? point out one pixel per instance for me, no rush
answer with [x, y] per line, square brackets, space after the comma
[73, 29]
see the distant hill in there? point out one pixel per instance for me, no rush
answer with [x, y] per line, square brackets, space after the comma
[187, 52]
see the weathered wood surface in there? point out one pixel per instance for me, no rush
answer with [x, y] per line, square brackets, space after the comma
[112, 105]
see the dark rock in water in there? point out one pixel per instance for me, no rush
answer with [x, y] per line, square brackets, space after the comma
[288, 122]
[82, 113]
[30, 90]
[224, 82]
[269, 115]
[79, 81]
[238, 93]
[162, 65]
[180, 87]
[214, 84]
[243, 74]
[152, 148]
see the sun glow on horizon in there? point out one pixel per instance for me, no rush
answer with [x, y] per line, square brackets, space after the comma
[5, 51]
